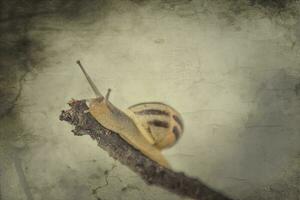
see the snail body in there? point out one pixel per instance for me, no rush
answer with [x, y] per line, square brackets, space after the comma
[149, 126]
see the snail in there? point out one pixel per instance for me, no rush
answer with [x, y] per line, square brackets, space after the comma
[149, 126]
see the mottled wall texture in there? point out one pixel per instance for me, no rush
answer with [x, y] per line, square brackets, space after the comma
[231, 67]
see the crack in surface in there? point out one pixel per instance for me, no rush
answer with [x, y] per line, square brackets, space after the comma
[21, 175]
[106, 176]
[20, 88]
[130, 187]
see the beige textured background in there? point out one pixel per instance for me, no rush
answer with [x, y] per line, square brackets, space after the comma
[232, 69]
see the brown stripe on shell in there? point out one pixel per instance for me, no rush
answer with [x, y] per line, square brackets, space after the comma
[178, 120]
[176, 132]
[152, 112]
[150, 102]
[159, 123]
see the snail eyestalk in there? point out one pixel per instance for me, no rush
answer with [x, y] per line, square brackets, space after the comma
[107, 94]
[93, 86]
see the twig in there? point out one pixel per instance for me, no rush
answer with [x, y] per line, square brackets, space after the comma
[151, 172]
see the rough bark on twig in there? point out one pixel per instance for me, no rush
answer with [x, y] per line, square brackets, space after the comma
[150, 171]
